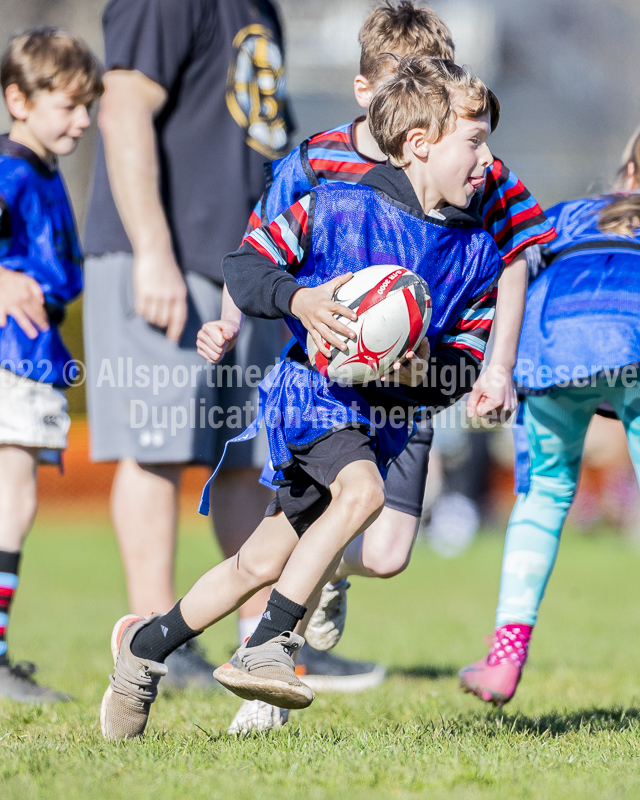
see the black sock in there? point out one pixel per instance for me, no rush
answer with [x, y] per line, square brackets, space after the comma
[162, 635]
[9, 562]
[281, 615]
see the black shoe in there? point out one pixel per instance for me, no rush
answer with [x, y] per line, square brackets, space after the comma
[17, 683]
[189, 669]
[325, 672]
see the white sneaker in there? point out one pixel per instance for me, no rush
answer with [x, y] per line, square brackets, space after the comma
[254, 715]
[327, 621]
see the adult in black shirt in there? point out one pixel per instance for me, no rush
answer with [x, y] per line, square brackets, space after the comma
[194, 105]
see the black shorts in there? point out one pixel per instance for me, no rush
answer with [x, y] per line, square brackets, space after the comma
[306, 496]
[407, 475]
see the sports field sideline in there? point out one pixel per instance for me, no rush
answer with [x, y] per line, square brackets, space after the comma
[573, 729]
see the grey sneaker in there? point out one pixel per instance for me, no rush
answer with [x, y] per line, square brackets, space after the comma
[254, 715]
[326, 625]
[189, 668]
[133, 686]
[17, 683]
[267, 673]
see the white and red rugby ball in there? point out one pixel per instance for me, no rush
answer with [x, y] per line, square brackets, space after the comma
[393, 306]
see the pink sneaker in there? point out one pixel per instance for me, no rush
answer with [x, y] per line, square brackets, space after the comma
[495, 678]
[495, 684]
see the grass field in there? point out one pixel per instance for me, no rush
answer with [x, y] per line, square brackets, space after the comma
[572, 732]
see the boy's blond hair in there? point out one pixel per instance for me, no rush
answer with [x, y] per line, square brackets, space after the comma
[401, 29]
[50, 59]
[427, 93]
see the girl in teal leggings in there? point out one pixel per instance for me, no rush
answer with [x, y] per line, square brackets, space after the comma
[579, 354]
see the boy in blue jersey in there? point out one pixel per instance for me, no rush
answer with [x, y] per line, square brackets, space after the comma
[49, 80]
[509, 213]
[433, 120]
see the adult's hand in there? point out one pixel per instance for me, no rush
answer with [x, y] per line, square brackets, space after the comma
[21, 298]
[160, 292]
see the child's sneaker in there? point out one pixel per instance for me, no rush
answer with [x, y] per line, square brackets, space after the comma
[326, 672]
[17, 683]
[133, 686]
[495, 684]
[495, 678]
[267, 672]
[189, 668]
[326, 625]
[254, 715]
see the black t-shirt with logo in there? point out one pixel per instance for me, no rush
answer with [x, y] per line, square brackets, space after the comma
[221, 63]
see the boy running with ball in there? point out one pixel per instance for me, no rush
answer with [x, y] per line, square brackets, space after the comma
[433, 120]
[49, 80]
[515, 221]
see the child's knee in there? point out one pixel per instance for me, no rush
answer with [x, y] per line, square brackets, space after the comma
[385, 563]
[257, 571]
[361, 496]
[18, 507]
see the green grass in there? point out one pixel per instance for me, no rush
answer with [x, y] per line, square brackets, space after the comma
[573, 731]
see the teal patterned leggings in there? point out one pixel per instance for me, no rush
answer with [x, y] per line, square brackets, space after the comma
[556, 426]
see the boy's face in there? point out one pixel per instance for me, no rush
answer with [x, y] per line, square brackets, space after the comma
[55, 119]
[455, 166]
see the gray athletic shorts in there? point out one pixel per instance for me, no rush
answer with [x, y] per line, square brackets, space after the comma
[160, 402]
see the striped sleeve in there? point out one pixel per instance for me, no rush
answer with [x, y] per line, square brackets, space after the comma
[511, 214]
[332, 157]
[472, 329]
[255, 220]
[285, 239]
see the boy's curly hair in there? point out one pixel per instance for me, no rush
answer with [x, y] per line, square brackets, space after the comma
[427, 93]
[402, 28]
[48, 58]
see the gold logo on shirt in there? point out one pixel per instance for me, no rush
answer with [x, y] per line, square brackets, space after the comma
[256, 89]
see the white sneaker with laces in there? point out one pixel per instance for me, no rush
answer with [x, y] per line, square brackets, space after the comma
[254, 715]
[327, 622]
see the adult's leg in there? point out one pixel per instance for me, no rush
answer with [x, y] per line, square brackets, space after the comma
[144, 509]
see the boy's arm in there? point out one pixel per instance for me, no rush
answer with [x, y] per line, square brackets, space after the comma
[495, 390]
[511, 214]
[260, 280]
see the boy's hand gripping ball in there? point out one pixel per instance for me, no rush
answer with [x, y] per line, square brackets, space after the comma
[393, 306]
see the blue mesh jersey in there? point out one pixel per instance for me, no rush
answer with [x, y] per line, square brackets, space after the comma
[37, 237]
[337, 228]
[582, 310]
[509, 212]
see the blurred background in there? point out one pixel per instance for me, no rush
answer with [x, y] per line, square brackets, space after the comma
[565, 72]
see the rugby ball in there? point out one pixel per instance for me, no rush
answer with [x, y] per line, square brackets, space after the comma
[393, 306]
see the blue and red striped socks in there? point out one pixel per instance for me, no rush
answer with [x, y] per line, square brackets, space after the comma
[9, 563]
